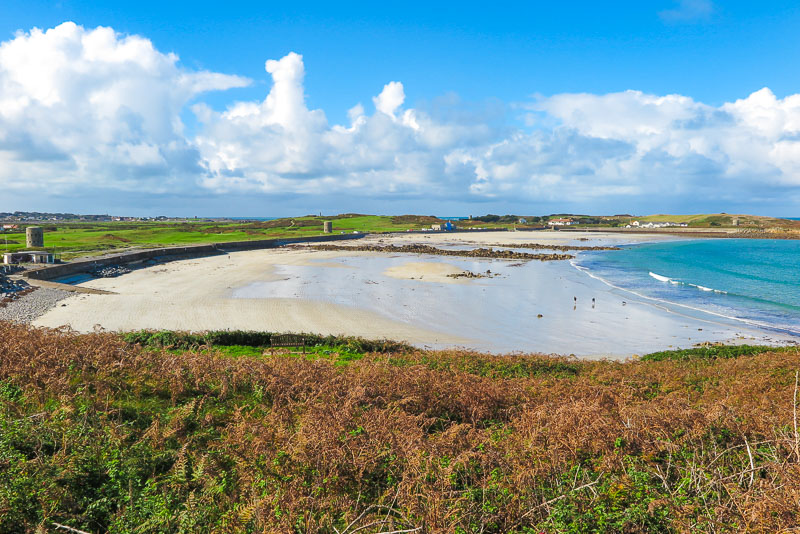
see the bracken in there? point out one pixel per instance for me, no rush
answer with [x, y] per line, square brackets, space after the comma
[103, 435]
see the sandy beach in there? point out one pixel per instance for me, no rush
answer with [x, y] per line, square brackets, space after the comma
[530, 307]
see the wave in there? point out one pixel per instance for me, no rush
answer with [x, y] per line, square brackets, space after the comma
[669, 305]
[661, 278]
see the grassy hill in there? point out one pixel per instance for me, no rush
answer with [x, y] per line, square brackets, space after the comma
[166, 432]
[722, 219]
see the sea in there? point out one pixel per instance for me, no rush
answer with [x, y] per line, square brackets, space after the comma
[753, 281]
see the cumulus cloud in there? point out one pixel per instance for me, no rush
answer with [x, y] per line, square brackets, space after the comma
[84, 109]
[391, 98]
[279, 145]
[580, 147]
[94, 107]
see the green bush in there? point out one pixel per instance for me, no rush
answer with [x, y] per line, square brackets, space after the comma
[185, 340]
[708, 353]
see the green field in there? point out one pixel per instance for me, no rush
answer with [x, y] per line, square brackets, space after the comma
[73, 239]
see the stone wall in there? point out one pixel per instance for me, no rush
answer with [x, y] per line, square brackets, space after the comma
[171, 254]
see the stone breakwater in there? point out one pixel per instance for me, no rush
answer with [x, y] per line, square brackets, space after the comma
[12, 290]
[9, 288]
[427, 249]
[563, 248]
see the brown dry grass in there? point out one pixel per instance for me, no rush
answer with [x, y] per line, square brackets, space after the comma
[442, 442]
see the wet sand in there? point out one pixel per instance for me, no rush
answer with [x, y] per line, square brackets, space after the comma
[426, 271]
[404, 297]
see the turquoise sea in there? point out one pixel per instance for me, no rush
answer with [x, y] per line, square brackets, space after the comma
[755, 281]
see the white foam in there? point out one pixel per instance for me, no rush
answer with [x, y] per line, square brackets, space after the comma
[665, 304]
[660, 278]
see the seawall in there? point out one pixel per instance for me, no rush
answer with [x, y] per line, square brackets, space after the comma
[171, 254]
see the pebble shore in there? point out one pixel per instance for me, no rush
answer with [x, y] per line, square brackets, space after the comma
[30, 306]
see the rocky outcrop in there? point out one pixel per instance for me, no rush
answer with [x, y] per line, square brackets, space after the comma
[538, 246]
[427, 249]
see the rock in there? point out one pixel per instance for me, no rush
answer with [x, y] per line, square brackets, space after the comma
[427, 249]
[28, 304]
[562, 248]
[109, 271]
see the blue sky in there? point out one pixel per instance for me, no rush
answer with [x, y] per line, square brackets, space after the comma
[460, 64]
[504, 50]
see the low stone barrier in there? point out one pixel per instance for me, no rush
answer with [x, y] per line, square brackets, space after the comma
[172, 253]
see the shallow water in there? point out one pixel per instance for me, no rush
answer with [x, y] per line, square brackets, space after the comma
[754, 281]
[500, 314]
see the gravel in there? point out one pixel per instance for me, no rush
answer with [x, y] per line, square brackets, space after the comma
[29, 306]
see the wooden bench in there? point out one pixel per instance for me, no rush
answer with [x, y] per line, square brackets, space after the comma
[288, 340]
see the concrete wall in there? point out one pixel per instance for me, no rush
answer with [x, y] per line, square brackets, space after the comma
[173, 253]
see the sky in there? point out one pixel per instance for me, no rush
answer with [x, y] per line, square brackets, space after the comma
[262, 109]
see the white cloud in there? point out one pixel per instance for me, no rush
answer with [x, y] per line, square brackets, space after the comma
[581, 147]
[97, 108]
[391, 98]
[85, 109]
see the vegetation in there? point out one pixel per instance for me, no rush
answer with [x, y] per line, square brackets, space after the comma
[243, 338]
[82, 238]
[705, 220]
[710, 352]
[149, 434]
[78, 238]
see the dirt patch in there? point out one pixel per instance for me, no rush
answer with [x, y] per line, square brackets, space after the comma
[116, 238]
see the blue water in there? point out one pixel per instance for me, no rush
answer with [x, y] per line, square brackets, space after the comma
[756, 281]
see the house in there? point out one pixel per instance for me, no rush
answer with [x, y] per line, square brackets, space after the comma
[560, 222]
[10, 258]
[665, 224]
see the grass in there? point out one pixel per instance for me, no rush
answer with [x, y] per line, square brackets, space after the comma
[73, 238]
[175, 432]
[706, 220]
[711, 352]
